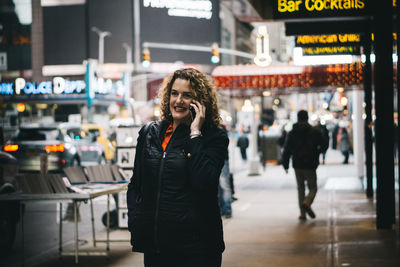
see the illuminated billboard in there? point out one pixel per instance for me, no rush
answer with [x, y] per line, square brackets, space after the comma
[180, 22]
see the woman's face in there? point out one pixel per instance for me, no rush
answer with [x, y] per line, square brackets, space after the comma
[180, 99]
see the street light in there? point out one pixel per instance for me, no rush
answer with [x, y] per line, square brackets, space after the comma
[101, 34]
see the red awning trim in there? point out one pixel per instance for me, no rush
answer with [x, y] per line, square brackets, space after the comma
[239, 70]
[288, 77]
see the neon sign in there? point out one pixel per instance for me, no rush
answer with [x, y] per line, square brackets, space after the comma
[319, 5]
[295, 9]
[328, 40]
[58, 86]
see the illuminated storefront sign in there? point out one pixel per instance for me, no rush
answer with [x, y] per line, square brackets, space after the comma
[57, 86]
[60, 86]
[334, 50]
[328, 40]
[295, 9]
[183, 8]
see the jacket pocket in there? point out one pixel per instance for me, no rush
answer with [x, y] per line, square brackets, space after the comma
[142, 230]
[180, 237]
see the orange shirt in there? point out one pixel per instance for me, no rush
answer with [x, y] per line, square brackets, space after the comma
[167, 137]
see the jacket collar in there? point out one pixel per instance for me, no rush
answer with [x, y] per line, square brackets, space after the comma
[160, 127]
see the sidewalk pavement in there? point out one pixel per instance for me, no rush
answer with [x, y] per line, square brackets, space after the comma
[265, 231]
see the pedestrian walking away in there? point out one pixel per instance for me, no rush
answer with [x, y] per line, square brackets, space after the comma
[344, 144]
[325, 134]
[243, 144]
[173, 211]
[225, 189]
[263, 145]
[304, 144]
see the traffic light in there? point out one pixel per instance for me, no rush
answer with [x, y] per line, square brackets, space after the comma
[146, 57]
[214, 54]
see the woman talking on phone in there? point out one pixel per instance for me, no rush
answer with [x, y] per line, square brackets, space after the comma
[173, 211]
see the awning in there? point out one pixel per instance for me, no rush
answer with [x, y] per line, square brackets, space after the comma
[247, 80]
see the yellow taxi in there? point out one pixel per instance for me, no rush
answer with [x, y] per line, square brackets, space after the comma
[102, 138]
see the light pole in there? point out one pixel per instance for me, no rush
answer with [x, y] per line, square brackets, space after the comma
[128, 50]
[136, 30]
[102, 35]
[127, 75]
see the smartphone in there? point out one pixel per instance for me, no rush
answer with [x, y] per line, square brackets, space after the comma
[193, 112]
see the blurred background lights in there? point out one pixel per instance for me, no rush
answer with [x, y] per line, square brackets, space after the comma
[247, 106]
[266, 93]
[146, 64]
[344, 101]
[20, 107]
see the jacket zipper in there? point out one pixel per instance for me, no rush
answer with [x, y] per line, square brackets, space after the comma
[159, 194]
[158, 203]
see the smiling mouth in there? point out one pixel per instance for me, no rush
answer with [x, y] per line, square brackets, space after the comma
[180, 109]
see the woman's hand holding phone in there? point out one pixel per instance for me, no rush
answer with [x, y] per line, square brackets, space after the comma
[198, 112]
[193, 112]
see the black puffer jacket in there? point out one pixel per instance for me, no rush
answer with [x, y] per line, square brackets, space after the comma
[178, 211]
[304, 143]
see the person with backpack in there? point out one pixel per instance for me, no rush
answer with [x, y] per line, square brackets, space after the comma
[303, 144]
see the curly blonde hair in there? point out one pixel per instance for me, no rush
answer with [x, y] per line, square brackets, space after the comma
[202, 89]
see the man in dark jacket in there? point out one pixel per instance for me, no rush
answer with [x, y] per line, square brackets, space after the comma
[243, 144]
[304, 144]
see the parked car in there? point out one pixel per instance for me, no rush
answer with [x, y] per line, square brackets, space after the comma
[65, 145]
[102, 138]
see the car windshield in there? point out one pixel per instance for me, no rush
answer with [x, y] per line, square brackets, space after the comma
[94, 132]
[36, 134]
[78, 134]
